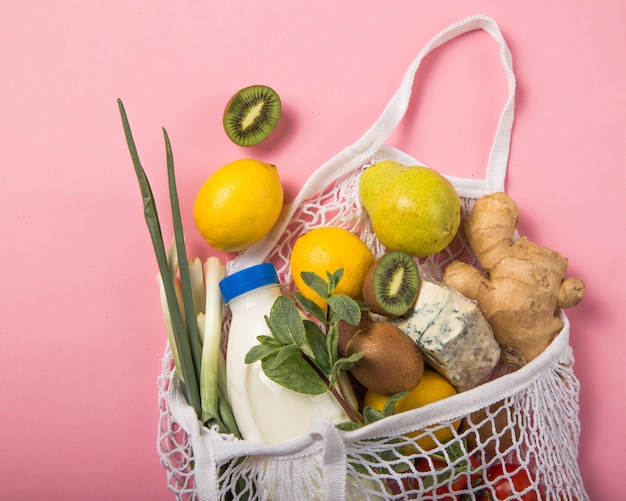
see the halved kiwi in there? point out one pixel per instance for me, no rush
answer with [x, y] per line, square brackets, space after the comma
[392, 284]
[251, 115]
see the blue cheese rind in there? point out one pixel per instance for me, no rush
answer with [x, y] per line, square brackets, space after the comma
[453, 335]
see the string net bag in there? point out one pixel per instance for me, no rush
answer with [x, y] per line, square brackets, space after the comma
[523, 423]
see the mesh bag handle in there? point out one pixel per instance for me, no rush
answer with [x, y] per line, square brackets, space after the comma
[373, 141]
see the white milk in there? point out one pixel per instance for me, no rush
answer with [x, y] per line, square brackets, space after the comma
[265, 411]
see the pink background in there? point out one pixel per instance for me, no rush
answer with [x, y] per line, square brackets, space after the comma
[81, 334]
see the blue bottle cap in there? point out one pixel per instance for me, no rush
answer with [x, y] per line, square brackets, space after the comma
[248, 279]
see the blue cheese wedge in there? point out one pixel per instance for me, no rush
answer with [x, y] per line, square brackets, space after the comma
[453, 335]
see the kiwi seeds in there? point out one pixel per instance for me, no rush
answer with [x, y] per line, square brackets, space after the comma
[392, 284]
[251, 115]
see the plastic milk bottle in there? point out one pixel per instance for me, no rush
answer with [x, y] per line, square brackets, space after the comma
[266, 412]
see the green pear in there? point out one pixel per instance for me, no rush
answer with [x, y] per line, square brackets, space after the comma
[411, 208]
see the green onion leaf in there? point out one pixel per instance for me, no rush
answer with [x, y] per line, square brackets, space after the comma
[183, 264]
[181, 337]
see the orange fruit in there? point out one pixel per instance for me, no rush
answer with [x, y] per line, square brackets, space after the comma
[431, 388]
[327, 249]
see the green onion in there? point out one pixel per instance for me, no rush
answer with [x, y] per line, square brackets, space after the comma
[183, 265]
[169, 329]
[214, 271]
[186, 342]
[196, 279]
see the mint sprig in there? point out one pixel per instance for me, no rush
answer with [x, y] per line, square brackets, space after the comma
[301, 352]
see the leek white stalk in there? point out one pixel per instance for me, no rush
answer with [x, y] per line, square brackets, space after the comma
[172, 262]
[214, 271]
[172, 258]
[196, 277]
[200, 324]
[168, 327]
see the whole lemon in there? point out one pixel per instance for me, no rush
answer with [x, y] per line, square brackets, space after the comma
[327, 249]
[412, 208]
[238, 204]
[431, 388]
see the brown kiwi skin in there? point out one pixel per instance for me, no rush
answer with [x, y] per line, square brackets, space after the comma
[392, 362]
[347, 330]
[369, 293]
[369, 296]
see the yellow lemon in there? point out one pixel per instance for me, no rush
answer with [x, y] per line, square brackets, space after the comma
[327, 249]
[431, 388]
[238, 204]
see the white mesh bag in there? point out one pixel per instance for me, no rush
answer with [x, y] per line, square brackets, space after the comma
[538, 403]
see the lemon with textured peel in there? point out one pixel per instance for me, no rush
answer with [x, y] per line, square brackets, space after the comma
[412, 208]
[431, 388]
[327, 249]
[238, 204]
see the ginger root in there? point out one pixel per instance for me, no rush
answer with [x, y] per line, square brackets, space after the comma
[522, 285]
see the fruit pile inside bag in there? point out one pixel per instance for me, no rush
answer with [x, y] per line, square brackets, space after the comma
[364, 329]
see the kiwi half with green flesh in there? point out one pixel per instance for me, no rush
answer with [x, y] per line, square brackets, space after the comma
[251, 115]
[392, 284]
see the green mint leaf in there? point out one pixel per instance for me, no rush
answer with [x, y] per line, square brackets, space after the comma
[348, 426]
[315, 282]
[345, 364]
[363, 458]
[269, 340]
[456, 450]
[296, 374]
[317, 343]
[333, 279]
[362, 305]
[337, 276]
[455, 453]
[259, 352]
[390, 405]
[310, 306]
[371, 415]
[389, 456]
[332, 340]
[285, 322]
[332, 282]
[281, 355]
[344, 308]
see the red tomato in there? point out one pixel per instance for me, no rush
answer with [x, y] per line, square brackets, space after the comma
[508, 480]
[443, 493]
[412, 490]
[448, 492]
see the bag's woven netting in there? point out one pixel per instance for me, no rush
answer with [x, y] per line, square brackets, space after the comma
[533, 427]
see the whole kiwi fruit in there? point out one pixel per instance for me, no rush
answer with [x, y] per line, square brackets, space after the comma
[391, 361]
[347, 330]
[251, 115]
[392, 284]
